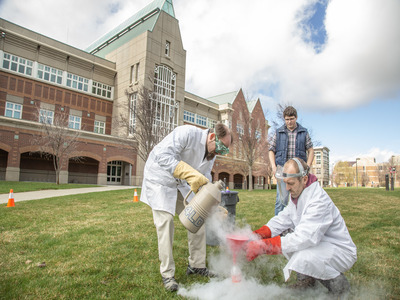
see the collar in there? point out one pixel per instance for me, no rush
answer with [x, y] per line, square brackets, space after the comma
[311, 179]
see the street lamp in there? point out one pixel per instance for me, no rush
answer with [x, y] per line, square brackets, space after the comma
[357, 159]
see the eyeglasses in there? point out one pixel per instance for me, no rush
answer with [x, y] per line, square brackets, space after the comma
[289, 119]
[220, 148]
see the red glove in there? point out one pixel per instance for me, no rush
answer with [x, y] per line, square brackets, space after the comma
[264, 232]
[266, 246]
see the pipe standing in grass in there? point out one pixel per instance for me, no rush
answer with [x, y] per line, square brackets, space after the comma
[181, 162]
[318, 245]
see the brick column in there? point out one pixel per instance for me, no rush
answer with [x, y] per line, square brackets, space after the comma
[102, 172]
[14, 159]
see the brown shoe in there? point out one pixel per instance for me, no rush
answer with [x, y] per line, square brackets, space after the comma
[303, 282]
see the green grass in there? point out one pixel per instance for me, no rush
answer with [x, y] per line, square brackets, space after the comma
[21, 186]
[104, 246]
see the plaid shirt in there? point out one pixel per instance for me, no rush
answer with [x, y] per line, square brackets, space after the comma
[291, 143]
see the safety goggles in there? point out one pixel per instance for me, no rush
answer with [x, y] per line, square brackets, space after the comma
[220, 148]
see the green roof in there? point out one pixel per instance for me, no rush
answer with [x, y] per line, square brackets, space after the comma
[224, 98]
[142, 21]
[251, 104]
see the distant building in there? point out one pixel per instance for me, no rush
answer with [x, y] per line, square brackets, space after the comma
[97, 87]
[366, 172]
[320, 165]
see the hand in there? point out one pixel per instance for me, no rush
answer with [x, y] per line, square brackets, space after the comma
[270, 246]
[264, 232]
[192, 176]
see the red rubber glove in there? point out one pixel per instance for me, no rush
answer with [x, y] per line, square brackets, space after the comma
[266, 246]
[264, 232]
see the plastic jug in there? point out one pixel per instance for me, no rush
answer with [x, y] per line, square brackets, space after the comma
[197, 211]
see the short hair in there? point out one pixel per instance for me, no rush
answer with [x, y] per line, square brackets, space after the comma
[294, 164]
[290, 111]
[222, 130]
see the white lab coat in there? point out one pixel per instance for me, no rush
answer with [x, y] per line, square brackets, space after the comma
[320, 245]
[160, 188]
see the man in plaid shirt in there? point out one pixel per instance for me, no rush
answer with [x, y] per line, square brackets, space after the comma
[290, 140]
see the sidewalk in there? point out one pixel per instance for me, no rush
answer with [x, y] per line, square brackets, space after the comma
[25, 196]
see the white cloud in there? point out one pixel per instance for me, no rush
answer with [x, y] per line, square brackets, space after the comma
[260, 46]
[380, 155]
[257, 47]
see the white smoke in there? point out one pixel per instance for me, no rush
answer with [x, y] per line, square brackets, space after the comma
[252, 273]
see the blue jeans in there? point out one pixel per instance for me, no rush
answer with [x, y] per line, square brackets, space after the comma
[278, 205]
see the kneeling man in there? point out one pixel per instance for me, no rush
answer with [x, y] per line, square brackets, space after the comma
[318, 245]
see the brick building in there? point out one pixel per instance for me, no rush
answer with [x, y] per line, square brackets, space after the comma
[366, 172]
[97, 87]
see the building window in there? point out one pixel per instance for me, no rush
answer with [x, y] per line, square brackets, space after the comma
[99, 127]
[49, 74]
[17, 64]
[211, 123]
[132, 110]
[201, 120]
[13, 110]
[100, 89]
[135, 73]
[167, 48]
[240, 129]
[74, 122]
[166, 106]
[188, 116]
[77, 82]
[46, 116]
[258, 134]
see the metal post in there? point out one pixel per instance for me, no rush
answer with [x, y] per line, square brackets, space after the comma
[357, 171]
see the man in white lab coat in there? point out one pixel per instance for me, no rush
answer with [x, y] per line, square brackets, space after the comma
[181, 162]
[319, 248]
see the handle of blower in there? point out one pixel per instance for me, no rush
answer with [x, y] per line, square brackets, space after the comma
[184, 200]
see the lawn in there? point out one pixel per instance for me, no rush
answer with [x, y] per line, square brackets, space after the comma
[24, 186]
[104, 246]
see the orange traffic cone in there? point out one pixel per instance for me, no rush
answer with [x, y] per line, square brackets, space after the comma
[11, 199]
[135, 197]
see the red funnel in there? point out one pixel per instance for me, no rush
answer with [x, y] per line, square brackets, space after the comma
[236, 242]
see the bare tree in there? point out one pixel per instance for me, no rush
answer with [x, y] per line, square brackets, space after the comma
[251, 144]
[344, 173]
[56, 139]
[148, 121]
[382, 170]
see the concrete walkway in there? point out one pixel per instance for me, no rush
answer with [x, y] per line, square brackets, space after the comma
[24, 196]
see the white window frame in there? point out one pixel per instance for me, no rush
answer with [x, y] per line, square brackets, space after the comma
[49, 74]
[167, 48]
[201, 120]
[211, 123]
[99, 127]
[164, 99]
[13, 110]
[74, 122]
[132, 112]
[46, 116]
[189, 116]
[101, 89]
[17, 64]
[135, 73]
[77, 82]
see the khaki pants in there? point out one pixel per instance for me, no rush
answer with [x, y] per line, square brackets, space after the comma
[164, 223]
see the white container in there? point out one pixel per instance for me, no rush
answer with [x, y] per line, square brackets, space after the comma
[198, 209]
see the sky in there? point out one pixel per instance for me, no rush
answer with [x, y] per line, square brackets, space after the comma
[337, 62]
